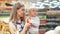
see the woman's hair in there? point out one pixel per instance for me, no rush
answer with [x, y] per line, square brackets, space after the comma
[13, 16]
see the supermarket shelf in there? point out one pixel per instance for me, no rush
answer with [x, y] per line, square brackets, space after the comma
[53, 19]
[42, 24]
[48, 24]
[51, 24]
[50, 13]
[42, 29]
[41, 12]
[53, 14]
[47, 29]
[4, 14]
[43, 19]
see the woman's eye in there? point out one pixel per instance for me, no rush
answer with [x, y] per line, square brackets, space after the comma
[23, 9]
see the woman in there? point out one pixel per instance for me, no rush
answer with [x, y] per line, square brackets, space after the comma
[55, 31]
[17, 20]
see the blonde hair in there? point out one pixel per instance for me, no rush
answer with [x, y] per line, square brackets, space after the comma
[29, 11]
[13, 16]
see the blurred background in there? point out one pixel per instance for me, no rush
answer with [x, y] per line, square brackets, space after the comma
[48, 12]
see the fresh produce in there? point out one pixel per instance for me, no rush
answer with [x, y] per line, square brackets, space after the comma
[4, 27]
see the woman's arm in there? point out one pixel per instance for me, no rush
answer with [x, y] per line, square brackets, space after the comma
[26, 27]
[12, 28]
[23, 31]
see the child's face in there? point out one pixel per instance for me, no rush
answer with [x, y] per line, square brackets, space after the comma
[32, 12]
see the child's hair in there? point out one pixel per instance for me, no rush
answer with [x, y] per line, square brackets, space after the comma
[31, 9]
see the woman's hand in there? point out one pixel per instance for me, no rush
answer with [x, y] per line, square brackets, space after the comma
[27, 26]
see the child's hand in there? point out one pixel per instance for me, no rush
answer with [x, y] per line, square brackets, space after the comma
[28, 20]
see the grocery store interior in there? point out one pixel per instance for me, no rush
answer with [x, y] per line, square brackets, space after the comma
[48, 12]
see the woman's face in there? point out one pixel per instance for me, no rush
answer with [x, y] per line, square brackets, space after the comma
[21, 12]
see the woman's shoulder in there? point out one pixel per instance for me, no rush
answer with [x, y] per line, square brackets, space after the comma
[10, 23]
[50, 32]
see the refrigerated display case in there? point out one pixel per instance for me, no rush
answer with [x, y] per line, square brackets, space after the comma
[51, 20]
